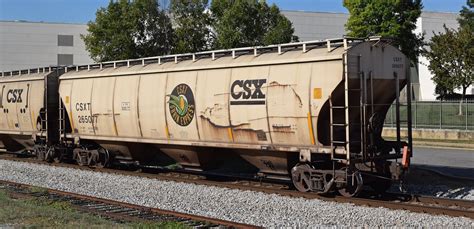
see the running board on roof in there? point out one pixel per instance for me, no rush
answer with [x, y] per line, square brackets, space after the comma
[306, 46]
[30, 71]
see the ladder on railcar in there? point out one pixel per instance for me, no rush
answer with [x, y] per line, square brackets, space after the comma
[43, 124]
[62, 120]
[43, 115]
[349, 139]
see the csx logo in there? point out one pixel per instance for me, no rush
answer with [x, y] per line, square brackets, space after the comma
[242, 93]
[14, 95]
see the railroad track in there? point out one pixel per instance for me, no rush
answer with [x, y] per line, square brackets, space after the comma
[396, 201]
[118, 211]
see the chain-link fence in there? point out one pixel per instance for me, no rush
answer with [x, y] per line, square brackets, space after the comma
[435, 115]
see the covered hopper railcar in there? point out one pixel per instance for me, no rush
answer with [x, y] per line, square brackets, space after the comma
[27, 99]
[310, 111]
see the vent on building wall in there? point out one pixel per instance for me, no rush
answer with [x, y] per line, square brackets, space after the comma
[65, 59]
[65, 40]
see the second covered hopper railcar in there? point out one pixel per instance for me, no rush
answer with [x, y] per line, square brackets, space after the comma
[24, 101]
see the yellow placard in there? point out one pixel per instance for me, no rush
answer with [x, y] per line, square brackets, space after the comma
[317, 93]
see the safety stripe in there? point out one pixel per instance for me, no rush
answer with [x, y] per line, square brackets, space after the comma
[231, 135]
[310, 127]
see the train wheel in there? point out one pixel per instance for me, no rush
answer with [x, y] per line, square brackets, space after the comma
[354, 185]
[103, 158]
[50, 155]
[40, 153]
[80, 157]
[58, 159]
[301, 176]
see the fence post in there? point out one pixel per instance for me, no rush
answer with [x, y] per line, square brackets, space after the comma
[441, 113]
[391, 115]
[416, 112]
[467, 113]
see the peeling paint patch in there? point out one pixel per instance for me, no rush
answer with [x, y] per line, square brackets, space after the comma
[216, 115]
[208, 119]
[242, 131]
[276, 84]
[285, 128]
[240, 126]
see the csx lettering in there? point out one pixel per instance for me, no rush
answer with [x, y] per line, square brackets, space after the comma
[246, 86]
[83, 106]
[14, 95]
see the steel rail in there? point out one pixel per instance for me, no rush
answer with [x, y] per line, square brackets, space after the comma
[122, 211]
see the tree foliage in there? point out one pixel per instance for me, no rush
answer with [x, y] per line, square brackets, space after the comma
[239, 23]
[192, 25]
[129, 29]
[451, 56]
[388, 18]
[466, 14]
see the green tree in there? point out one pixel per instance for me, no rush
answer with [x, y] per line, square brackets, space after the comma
[451, 56]
[240, 23]
[192, 25]
[279, 28]
[466, 14]
[389, 18]
[129, 29]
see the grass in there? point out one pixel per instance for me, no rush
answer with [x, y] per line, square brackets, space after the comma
[40, 213]
[40, 190]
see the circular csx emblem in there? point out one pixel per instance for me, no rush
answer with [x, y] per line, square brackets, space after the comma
[181, 105]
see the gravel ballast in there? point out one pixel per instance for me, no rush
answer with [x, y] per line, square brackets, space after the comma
[268, 210]
[430, 182]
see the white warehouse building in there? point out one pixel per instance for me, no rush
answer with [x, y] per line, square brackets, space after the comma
[38, 44]
[321, 25]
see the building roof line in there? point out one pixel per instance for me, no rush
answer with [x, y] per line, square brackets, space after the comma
[344, 13]
[307, 11]
[43, 22]
[295, 11]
